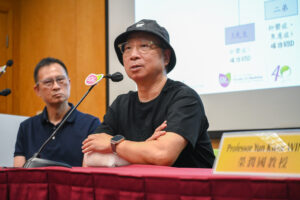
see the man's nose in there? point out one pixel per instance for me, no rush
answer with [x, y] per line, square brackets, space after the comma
[135, 53]
[55, 84]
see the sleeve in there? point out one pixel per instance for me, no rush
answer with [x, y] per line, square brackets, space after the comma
[186, 116]
[109, 124]
[94, 124]
[19, 146]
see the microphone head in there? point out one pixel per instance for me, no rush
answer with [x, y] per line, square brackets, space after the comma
[116, 77]
[9, 63]
[5, 92]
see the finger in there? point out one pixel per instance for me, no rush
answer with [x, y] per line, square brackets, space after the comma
[161, 127]
[87, 140]
[157, 135]
[86, 145]
[87, 149]
[157, 129]
[164, 124]
[163, 132]
[90, 138]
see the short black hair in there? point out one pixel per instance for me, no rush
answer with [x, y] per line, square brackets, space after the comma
[46, 62]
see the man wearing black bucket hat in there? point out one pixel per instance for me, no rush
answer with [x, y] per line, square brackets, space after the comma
[164, 122]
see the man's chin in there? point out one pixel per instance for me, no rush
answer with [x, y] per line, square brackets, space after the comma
[58, 101]
[137, 77]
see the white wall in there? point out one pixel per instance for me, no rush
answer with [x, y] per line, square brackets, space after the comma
[120, 16]
[9, 126]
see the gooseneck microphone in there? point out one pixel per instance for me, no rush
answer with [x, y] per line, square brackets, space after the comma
[9, 63]
[35, 160]
[115, 77]
[5, 92]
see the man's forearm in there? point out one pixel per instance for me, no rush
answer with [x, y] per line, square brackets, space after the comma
[163, 151]
[142, 153]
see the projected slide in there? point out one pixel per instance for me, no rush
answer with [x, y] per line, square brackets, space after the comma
[230, 45]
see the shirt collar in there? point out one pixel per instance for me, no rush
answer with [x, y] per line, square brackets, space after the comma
[167, 85]
[71, 119]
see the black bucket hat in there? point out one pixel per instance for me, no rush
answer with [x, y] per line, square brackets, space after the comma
[149, 26]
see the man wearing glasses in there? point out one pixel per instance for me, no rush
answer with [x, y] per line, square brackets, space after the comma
[164, 122]
[52, 84]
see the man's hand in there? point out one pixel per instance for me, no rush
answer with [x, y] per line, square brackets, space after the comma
[19, 161]
[99, 142]
[159, 131]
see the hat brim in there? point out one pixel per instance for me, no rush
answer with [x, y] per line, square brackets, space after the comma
[123, 38]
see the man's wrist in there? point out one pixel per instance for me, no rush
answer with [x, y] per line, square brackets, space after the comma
[117, 139]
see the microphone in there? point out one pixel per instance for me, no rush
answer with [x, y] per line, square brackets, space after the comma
[115, 77]
[9, 63]
[5, 92]
[35, 160]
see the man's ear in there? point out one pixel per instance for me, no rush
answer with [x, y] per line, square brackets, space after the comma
[167, 55]
[37, 90]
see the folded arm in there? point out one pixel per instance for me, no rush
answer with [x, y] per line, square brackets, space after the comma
[163, 151]
[162, 148]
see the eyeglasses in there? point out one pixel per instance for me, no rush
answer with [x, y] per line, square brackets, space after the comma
[49, 82]
[143, 47]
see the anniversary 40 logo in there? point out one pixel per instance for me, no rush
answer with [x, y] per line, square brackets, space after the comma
[281, 72]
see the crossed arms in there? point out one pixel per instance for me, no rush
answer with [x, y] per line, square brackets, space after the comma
[162, 148]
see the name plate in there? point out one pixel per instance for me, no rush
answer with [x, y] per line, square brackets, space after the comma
[270, 153]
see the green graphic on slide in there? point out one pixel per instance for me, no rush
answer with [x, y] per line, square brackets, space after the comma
[285, 70]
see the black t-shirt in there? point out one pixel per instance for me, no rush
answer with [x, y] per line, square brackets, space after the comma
[179, 105]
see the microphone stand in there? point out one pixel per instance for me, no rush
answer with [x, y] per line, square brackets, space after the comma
[36, 161]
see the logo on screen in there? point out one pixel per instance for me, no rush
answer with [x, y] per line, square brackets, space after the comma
[224, 79]
[281, 72]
